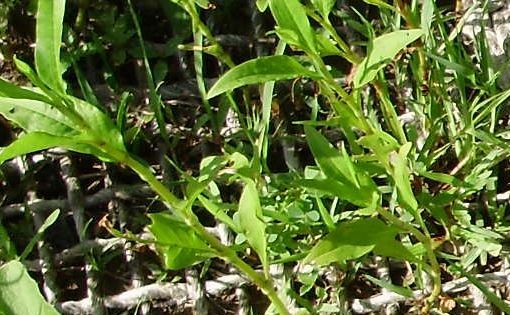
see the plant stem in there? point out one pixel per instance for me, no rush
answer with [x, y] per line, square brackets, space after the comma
[178, 206]
[189, 6]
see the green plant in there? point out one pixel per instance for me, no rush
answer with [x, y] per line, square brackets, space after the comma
[390, 187]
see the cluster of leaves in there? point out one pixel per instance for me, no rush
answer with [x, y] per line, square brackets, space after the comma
[394, 188]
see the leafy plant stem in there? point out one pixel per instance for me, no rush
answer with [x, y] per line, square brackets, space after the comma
[189, 6]
[179, 207]
[435, 270]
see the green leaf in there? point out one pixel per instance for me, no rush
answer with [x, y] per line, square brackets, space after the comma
[352, 183]
[47, 223]
[333, 164]
[324, 6]
[250, 219]
[260, 70]
[291, 15]
[350, 240]
[103, 129]
[401, 176]
[262, 5]
[179, 245]
[33, 142]
[395, 249]
[19, 294]
[10, 90]
[359, 197]
[384, 49]
[427, 15]
[36, 116]
[50, 18]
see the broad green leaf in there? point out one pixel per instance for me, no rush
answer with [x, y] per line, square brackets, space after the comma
[395, 249]
[260, 70]
[351, 183]
[19, 294]
[291, 15]
[10, 90]
[36, 116]
[170, 231]
[50, 18]
[350, 240]
[250, 219]
[359, 197]
[178, 243]
[401, 176]
[390, 286]
[176, 258]
[324, 6]
[384, 49]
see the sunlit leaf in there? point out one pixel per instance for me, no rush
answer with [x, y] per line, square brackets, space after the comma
[10, 90]
[36, 116]
[350, 240]
[250, 219]
[19, 294]
[260, 70]
[50, 18]
[290, 14]
[401, 176]
[384, 49]
[177, 242]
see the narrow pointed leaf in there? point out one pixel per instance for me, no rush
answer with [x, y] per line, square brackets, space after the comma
[333, 164]
[385, 48]
[401, 176]
[260, 70]
[250, 218]
[50, 18]
[32, 142]
[291, 15]
[10, 90]
[36, 141]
